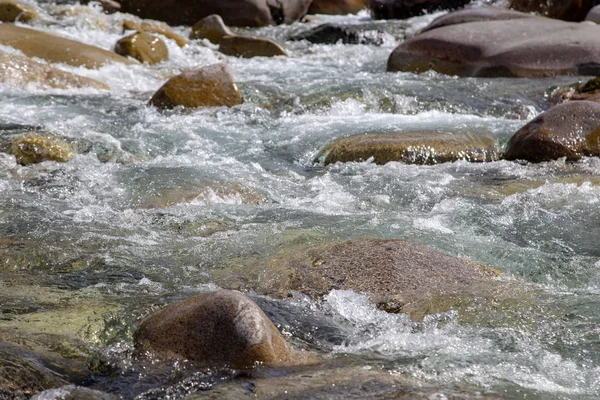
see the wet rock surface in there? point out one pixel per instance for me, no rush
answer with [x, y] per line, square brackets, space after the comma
[212, 28]
[73, 392]
[570, 130]
[539, 47]
[11, 11]
[223, 327]
[348, 34]
[143, 47]
[476, 14]
[36, 148]
[156, 27]
[211, 86]
[411, 148]
[248, 47]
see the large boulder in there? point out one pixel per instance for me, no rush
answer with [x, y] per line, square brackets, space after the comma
[336, 7]
[217, 328]
[144, 47]
[248, 47]
[11, 11]
[568, 10]
[401, 9]
[212, 28]
[234, 12]
[57, 49]
[211, 86]
[21, 71]
[475, 14]
[512, 48]
[570, 130]
[398, 276]
[411, 148]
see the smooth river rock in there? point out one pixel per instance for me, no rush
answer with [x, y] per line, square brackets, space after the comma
[144, 47]
[57, 49]
[570, 130]
[212, 28]
[218, 328]
[503, 48]
[475, 14]
[248, 47]
[11, 11]
[336, 7]
[157, 27]
[411, 148]
[250, 13]
[401, 9]
[21, 71]
[568, 10]
[210, 86]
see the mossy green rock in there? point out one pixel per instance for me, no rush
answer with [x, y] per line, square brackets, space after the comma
[570, 130]
[56, 49]
[411, 148]
[144, 47]
[35, 148]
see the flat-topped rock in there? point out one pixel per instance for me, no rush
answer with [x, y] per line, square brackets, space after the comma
[21, 71]
[248, 47]
[56, 49]
[218, 328]
[210, 86]
[570, 130]
[411, 148]
[512, 48]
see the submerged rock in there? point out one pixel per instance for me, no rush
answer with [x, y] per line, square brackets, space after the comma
[401, 9]
[250, 13]
[512, 48]
[35, 148]
[331, 33]
[157, 27]
[217, 328]
[248, 47]
[73, 392]
[570, 130]
[12, 11]
[143, 47]
[336, 7]
[568, 10]
[21, 71]
[210, 86]
[212, 28]
[411, 148]
[56, 49]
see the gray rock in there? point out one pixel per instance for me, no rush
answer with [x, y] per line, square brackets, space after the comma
[476, 14]
[593, 15]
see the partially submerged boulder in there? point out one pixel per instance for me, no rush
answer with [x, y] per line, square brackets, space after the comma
[332, 33]
[211, 86]
[401, 9]
[157, 27]
[570, 130]
[336, 7]
[36, 148]
[12, 11]
[248, 47]
[539, 47]
[57, 49]
[411, 148]
[568, 10]
[212, 28]
[144, 47]
[251, 13]
[21, 71]
[218, 328]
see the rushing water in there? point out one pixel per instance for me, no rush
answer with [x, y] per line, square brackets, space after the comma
[79, 244]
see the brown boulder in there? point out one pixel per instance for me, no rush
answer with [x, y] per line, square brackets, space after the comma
[34, 148]
[251, 13]
[411, 148]
[22, 71]
[539, 47]
[401, 9]
[570, 130]
[336, 7]
[143, 47]
[248, 47]
[11, 11]
[157, 27]
[212, 28]
[217, 328]
[56, 49]
[568, 10]
[211, 86]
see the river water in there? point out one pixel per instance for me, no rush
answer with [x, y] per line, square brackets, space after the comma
[85, 253]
